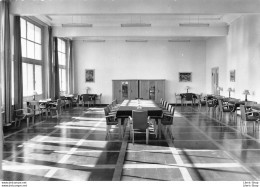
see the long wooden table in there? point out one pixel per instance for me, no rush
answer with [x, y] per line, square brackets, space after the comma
[126, 108]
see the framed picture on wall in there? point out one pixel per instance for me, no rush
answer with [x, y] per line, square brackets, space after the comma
[232, 75]
[184, 76]
[90, 75]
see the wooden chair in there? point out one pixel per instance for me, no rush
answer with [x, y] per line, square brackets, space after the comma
[223, 108]
[110, 120]
[86, 98]
[35, 106]
[245, 117]
[24, 113]
[55, 106]
[139, 121]
[188, 97]
[211, 103]
[178, 98]
[75, 100]
[167, 121]
[98, 98]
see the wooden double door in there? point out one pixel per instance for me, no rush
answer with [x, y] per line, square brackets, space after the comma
[132, 89]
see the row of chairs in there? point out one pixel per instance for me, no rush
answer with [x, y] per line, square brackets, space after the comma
[167, 117]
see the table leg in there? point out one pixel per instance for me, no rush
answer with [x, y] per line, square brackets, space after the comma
[159, 128]
[120, 128]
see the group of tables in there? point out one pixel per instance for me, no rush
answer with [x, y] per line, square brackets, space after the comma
[233, 103]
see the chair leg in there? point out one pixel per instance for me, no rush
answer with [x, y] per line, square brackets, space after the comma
[28, 121]
[108, 130]
[147, 135]
[133, 137]
[172, 131]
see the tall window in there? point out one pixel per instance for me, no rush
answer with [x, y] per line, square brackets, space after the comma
[31, 40]
[62, 64]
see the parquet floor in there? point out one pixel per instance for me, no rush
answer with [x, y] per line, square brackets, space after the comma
[75, 148]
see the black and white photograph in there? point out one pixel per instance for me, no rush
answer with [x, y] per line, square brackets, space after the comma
[232, 75]
[106, 92]
[185, 76]
[90, 75]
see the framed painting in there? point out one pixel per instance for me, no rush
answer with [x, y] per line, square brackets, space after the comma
[232, 75]
[90, 75]
[184, 76]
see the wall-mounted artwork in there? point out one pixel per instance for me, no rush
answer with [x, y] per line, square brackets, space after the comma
[90, 75]
[232, 75]
[185, 76]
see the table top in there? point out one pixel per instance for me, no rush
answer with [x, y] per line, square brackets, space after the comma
[128, 106]
[256, 107]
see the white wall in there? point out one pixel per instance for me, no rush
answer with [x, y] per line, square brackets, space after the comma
[239, 51]
[150, 60]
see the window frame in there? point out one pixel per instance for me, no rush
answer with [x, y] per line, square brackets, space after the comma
[34, 61]
[63, 67]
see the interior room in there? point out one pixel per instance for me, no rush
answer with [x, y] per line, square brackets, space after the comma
[129, 90]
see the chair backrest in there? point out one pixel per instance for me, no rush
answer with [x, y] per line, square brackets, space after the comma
[172, 111]
[106, 110]
[188, 96]
[86, 97]
[161, 100]
[243, 112]
[139, 119]
[165, 104]
[169, 108]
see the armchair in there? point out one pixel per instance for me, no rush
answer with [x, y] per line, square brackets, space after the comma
[55, 106]
[167, 121]
[178, 98]
[24, 113]
[110, 120]
[139, 121]
[223, 108]
[245, 117]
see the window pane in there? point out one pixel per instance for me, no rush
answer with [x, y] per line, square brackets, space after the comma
[61, 57]
[60, 79]
[63, 84]
[25, 86]
[27, 79]
[38, 79]
[30, 31]
[23, 28]
[62, 76]
[38, 37]
[24, 50]
[30, 49]
[63, 46]
[38, 52]
[59, 44]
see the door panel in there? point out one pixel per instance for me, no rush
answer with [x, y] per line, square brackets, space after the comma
[117, 90]
[133, 91]
[144, 89]
[160, 87]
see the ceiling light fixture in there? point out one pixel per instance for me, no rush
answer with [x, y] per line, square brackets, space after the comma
[136, 40]
[77, 25]
[178, 40]
[136, 25]
[194, 24]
